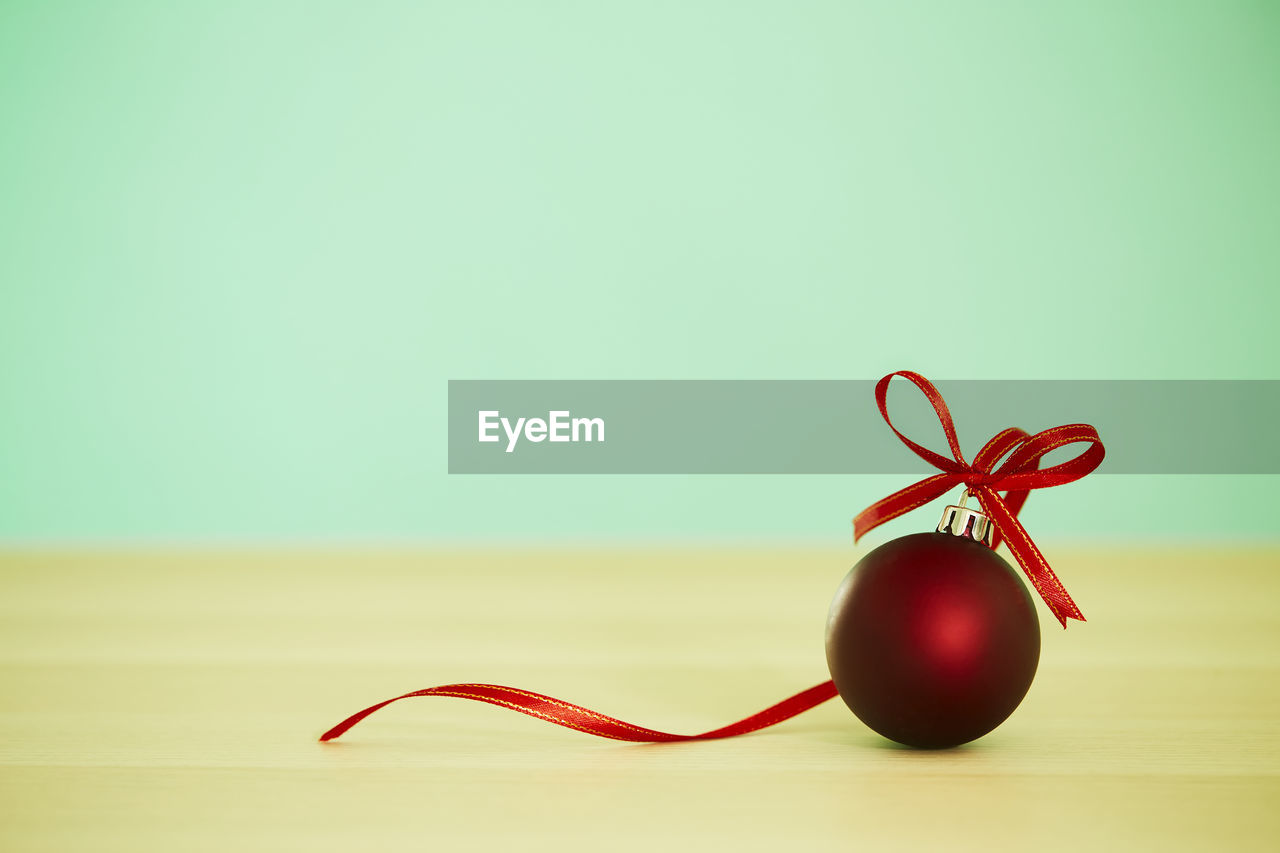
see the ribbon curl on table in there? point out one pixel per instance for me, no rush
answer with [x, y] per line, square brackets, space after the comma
[593, 723]
[1017, 476]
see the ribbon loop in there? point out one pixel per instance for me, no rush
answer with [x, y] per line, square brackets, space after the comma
[1016, 477]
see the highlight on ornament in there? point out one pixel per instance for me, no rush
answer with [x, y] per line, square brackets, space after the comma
[932, 639]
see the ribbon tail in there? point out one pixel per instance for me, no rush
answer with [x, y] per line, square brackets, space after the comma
[903, 501]
[1013, 502]
[594, 723]
[1029, 557]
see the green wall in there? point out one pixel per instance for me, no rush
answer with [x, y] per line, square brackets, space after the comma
[244, 245]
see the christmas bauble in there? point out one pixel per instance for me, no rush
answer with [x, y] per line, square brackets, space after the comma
[932, 640]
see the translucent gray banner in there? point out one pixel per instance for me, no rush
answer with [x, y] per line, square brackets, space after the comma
[833, 427]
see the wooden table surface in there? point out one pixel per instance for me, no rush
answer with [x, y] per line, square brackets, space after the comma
[172, 701]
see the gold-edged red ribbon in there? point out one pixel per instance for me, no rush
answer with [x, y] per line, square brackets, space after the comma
[1016, 477]
[594, 723]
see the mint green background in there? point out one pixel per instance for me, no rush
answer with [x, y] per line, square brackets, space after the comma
[244, 245]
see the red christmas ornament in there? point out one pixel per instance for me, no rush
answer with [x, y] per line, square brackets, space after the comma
[932, 640]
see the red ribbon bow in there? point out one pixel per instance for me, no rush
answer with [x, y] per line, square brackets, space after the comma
[1016, 477]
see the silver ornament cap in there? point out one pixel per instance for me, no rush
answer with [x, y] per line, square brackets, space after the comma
[966, 523]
